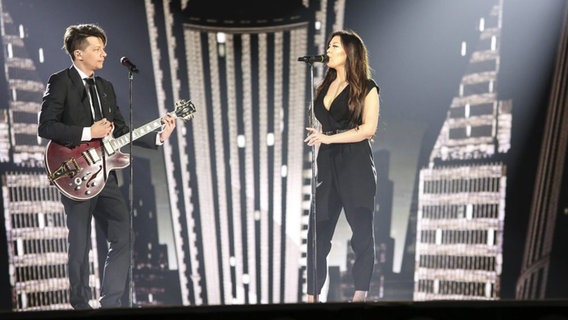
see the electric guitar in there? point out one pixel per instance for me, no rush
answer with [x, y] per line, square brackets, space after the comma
[80, 173]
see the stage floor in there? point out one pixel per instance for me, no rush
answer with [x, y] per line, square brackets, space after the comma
[438, 310]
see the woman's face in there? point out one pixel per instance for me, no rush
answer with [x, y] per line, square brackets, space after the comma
[336, 54]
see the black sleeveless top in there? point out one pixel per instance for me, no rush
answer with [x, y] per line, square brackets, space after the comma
[347, 168]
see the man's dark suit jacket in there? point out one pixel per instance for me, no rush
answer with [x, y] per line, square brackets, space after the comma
[66, 110]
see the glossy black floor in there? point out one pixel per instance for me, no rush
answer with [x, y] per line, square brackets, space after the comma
[439, 310]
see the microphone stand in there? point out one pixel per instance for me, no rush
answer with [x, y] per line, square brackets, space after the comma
[130, 195]
[313, 219]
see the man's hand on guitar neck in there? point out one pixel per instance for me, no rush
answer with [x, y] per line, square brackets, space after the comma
[168, 126]
[101, 128]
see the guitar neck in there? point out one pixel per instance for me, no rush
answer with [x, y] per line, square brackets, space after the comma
[136, 134]
[184, 110]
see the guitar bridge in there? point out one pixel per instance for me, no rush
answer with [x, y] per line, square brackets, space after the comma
[69, 168]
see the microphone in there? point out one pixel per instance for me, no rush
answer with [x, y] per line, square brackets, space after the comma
[127, 63]
[311, 59]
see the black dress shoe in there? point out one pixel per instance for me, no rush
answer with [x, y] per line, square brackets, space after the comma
[82, 306]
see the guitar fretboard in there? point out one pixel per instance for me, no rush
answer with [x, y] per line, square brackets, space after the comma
[123, 140]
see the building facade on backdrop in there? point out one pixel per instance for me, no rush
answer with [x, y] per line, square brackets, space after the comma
[461, 198]
[34, 219]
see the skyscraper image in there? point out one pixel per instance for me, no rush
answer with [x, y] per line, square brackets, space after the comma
[461, 199]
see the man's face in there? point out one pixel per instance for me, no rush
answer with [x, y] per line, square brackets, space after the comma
[92, 57]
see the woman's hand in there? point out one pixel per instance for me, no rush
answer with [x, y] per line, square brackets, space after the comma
[315, 137]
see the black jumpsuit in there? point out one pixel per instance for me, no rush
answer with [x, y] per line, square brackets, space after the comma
[346, 179]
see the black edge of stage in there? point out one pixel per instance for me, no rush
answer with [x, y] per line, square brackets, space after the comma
[431, 310]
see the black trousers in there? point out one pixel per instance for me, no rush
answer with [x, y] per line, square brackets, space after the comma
[360, 221]
[112, 215]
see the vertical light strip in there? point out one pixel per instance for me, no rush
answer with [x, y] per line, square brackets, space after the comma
[320, 41]
[339, 9]
[219, 145]
[236, 187]
[295, 162]
[266, 239]
[202, 163]
[249, 157]
[161, 97]
[277, 162]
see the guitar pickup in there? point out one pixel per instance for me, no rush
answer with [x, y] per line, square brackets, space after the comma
[109, 146]
[91, 156]
[68, 168]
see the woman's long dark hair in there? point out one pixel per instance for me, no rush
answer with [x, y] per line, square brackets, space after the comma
[357, 71]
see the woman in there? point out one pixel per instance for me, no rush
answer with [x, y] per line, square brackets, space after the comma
[347, 107]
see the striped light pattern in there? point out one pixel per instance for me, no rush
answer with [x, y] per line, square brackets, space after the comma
[248, 87]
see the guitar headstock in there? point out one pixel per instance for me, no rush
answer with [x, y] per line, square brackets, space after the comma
[184, 109]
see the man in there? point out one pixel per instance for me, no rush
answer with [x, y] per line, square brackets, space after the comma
[71, 115]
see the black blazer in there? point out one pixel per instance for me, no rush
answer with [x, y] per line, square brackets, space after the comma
[66, 110]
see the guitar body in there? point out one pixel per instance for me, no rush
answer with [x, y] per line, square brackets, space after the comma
[80, 173]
